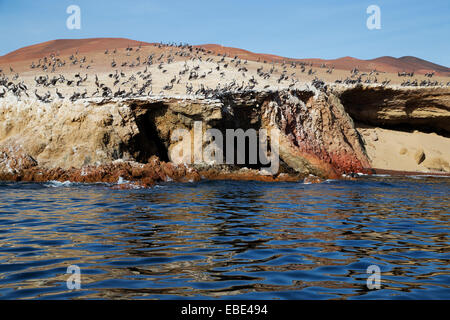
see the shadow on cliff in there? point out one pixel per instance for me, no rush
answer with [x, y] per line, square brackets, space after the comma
[399, 109]
[149, 141]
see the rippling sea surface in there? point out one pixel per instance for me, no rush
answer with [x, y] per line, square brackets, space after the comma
[228, 240]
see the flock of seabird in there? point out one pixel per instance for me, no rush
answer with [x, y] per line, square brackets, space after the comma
[140, 82]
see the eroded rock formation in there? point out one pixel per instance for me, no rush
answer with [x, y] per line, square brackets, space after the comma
[425, 109]
[317, 135]
[101, 140]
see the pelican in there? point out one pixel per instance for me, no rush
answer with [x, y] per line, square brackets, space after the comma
[59, 94]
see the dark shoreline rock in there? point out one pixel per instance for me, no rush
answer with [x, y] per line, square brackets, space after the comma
[129, 174]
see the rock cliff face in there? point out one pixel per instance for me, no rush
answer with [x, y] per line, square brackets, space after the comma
[104, 140]
[410, 109]
[317, 135]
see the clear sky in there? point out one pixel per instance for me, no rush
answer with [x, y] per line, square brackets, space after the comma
[291, 28]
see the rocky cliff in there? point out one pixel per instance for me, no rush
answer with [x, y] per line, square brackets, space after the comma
[401, 108]
[104, 140]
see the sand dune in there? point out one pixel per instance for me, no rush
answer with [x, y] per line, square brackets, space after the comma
[405, 151]
[68, 46]
[382, 64]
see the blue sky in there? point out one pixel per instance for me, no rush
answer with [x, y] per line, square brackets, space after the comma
[291, 28]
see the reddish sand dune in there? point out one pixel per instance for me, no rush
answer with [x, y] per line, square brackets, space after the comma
[69, 46]
[383, 64]
[243, 54]
[409, 64]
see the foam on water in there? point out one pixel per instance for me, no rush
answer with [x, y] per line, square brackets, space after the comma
[58, 184]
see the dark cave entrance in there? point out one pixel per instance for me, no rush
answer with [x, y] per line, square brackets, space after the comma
[149, 141]
[244, 121]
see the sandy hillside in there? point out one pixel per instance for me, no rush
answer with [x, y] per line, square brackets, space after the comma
[96, 57]
[381, 64]
[404, 151]
[89, 46]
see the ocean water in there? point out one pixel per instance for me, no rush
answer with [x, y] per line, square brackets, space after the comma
[227, 240]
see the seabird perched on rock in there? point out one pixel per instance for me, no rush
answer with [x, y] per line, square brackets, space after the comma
[59, 94]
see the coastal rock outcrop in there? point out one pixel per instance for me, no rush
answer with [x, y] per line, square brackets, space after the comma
[126, 173]
[425, 109]
[13, 159]
[130, 139]
[317, 135]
